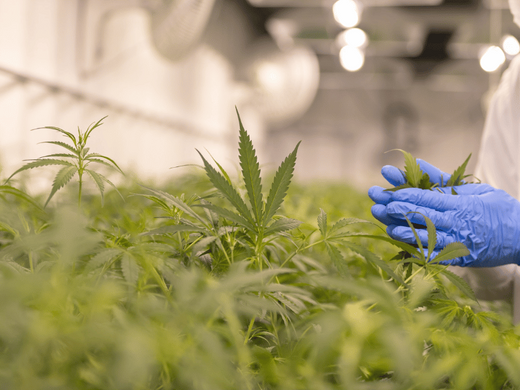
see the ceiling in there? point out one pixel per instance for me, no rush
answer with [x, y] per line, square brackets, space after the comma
[409, 39]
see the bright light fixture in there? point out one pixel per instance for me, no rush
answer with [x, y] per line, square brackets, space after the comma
[510, 45]
[351, 58]
[346, 12]
[352, 37]
[492, 58]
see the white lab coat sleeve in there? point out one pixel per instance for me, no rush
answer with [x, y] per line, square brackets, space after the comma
[498, 164]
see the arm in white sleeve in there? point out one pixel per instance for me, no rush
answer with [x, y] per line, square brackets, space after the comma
[499, 165]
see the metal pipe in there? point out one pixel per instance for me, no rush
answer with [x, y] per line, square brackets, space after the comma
[54, 87]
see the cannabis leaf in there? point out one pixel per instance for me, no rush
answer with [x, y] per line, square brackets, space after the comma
[18, 194]
[250, 172]
[76, 162]
[227, 189]
[258, 215]
[415, 178]
[412, 170]
[457, 178]
[280, 185]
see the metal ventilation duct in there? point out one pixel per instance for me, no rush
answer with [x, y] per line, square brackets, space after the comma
[178, 25]
[284, 83]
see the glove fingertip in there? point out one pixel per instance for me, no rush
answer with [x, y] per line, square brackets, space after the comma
[393, 175]
[379, 195]
[379, 213]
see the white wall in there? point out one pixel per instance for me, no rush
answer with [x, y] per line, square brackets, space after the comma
[159, 110]
[343, 134]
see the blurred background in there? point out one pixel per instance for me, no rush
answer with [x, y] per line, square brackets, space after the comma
[351, 79]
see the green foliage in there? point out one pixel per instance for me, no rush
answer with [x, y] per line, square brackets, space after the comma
[206, 284]
[458, 176]
[416, 178]
[75, 162]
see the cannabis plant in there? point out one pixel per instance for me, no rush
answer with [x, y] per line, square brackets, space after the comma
[76, 161]
[210, 283]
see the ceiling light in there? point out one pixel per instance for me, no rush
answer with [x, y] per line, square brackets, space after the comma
[510, 45]
[351, 58]
[347, 13]
[353, 37]
[492, 58]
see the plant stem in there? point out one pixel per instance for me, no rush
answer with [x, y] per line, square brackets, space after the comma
[249, 329]
[259, 248]
[298, 250]
[80, 186]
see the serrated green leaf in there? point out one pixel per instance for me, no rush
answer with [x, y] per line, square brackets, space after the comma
[177, 202]
[19, 194]
[401, 187]
[130, 269]
[322, 222]
[406, 247]
[412, 169]
[154, 247]
[280, 185]
[290, 301]
[99, 183]
[449, 309]
[420, 252]
[40, 163]
[212, 216]
[424, 182]
[460, 283]
[229, 215]
[84, 152]
[14, 266]
[430, 229]
[65, 155]
[6, 227]
[373, 259]
[62, 177]
[98, 161]
[227, 190]
[458, 175]
[343, 222]
[337, 260]
[452, 251]
[65, 133]
[94, 126]
[96, 157]
[110, 184]
[162, 204]
[202, 244]
[221, 169]
[63, 145]
[282, 225]
[432, 236]
[102, 258]
[250, 172]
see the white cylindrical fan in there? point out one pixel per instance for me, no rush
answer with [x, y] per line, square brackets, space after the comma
[284, 83]
[178, 25]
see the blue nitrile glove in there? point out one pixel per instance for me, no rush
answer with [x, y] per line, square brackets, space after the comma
[485, 219]
[396, 178]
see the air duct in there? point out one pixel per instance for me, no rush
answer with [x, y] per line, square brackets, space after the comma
[178, 26]
[284, 82]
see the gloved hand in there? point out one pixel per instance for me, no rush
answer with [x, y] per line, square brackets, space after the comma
[485, 219]
[396, 178]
